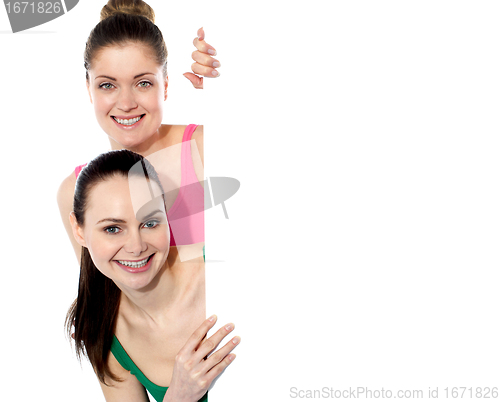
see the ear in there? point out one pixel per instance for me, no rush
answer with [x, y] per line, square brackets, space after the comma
[165, 90]
[88, 90]
[77, 230]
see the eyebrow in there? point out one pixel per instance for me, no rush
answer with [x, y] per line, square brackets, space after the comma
[114, 79]
[114, 220]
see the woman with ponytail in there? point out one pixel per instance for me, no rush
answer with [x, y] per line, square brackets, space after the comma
[134, 309]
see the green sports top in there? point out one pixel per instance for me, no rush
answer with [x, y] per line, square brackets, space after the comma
[126, 362]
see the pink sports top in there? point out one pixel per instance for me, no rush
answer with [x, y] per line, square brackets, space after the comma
[186, 216]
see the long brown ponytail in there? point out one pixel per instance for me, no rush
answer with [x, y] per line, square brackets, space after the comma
[95, 310]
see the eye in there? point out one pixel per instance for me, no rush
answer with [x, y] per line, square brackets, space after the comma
[112, 229]
[151, 224]
[144, 84]
[106, 85]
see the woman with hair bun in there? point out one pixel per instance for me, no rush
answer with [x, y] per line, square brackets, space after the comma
[134, 312]
[126, 73]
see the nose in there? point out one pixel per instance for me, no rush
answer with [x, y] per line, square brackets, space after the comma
[126, 100]
[135, 244]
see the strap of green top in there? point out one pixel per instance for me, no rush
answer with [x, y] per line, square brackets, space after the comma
[127, 363]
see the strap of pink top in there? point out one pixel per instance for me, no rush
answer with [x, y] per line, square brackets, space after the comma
[186, 214]
[187, 168]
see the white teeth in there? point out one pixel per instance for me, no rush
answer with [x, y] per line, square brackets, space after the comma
[128, 122]
[134, 264]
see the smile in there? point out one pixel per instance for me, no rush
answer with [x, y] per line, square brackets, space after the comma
[135, 264]
[128, 122]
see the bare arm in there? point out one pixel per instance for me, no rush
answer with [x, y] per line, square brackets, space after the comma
[65, 200]
[128, 390]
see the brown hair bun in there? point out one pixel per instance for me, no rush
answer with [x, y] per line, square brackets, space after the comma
[133, 7]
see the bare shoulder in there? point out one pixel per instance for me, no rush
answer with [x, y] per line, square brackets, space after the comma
[128, 390]
[172, 134]
[65, 196]
[66, 190]
[176, 132]
[198, 134]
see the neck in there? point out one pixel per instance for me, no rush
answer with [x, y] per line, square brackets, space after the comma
[179, 285]
[154, 143]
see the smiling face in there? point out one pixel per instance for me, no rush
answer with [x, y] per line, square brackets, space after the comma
[130, 250]
[127, 87]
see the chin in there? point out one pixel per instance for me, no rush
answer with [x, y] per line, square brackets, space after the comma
[138, 285]
[128, 142]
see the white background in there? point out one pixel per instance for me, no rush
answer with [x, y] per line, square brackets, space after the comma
[362, 246]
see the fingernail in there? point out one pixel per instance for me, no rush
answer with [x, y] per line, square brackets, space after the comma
[229, 327]
[215, 73]
[216, 64]
[236, 340]
[231, 357]
[212, 52]
[212, 318]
